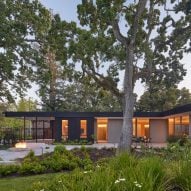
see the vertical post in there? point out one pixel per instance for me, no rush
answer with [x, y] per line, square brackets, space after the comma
[36, 129]
[52, 127]
[24, 128]
[136, 127]
[43, 128]
[190, 125]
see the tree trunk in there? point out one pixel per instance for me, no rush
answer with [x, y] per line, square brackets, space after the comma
[128, 104]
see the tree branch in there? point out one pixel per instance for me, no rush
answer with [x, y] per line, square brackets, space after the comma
[117, 32]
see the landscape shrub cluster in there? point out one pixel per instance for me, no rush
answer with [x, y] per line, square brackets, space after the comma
[152, 171]
[60, 160]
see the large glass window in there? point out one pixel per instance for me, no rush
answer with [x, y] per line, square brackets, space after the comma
[102, 125]
[178, 125]
[64, 129]
[142, 127]
[185, 124]
[83, 127]
[171, 126]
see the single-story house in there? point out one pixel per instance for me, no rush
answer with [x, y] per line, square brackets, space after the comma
[105, 127]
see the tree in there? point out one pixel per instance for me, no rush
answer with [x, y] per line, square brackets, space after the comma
[139, 38]
[52, 71]
[22, 105]
[23, 23]
[163, 99]
[86, 95]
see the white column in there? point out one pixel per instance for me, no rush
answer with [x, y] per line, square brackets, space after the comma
[190, 125]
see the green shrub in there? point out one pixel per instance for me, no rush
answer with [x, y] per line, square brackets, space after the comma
[8, 169]
[31, 168]
[61, 149]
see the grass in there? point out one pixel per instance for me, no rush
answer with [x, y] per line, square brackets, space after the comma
[24, 183]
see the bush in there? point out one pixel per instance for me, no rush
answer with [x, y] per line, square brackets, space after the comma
[61, 149]
[6, 170]
[31, 168]
[124, 172]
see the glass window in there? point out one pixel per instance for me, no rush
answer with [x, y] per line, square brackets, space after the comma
[143, 127]
[64, 129]
[171, 126]
[178, 130]
[102, 125]
[83, 127]
[185, 124]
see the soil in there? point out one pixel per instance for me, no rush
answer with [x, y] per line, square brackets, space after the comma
[95, 154]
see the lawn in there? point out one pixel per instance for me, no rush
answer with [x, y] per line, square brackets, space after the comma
[24, 183]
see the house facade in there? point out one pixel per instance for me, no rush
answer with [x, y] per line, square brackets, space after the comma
[105, 127]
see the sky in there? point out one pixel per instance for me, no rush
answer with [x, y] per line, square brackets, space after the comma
[67, 9]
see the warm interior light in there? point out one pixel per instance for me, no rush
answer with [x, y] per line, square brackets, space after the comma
[21, 145]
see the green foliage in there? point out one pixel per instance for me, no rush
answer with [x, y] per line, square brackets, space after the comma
[121, 173]
[6, 170]
[160, 98]
[21, 30]
[60, 149]
[31, 165]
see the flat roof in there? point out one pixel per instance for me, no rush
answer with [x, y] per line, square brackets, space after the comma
[175, 111]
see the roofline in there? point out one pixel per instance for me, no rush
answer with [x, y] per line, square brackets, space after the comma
[177, 110]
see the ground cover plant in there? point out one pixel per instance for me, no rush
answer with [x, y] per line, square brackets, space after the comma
[149, 169]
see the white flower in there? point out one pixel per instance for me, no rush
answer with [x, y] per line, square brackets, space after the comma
[85, 172]
[60, 181]
[119, 180]
[139, 185]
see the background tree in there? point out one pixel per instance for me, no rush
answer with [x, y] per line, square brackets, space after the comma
[86, 95]
[53, 72]
[22, 24]
[22, 105]
[138, 38]
[163, 99]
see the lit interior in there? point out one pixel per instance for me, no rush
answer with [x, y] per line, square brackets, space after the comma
[83, 127]
[142, 127]
[102, 125]
[64, 129]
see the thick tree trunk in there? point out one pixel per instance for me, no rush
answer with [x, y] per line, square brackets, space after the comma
[128, 105]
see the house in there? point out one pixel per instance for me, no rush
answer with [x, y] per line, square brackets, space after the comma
[105, 127]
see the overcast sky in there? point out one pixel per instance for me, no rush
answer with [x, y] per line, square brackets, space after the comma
[67, 10]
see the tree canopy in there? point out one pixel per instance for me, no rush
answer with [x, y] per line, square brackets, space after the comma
[23, 23]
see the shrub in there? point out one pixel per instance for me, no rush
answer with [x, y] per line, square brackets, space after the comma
[61, 149]
[31, 168]
[8, 169]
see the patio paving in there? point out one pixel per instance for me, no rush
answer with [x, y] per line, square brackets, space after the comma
[10, 155]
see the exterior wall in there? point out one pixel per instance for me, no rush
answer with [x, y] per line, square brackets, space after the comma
[74, 129]
[114, 130]
[158, 130]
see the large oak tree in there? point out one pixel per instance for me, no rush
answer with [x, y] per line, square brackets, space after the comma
[141, 40]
